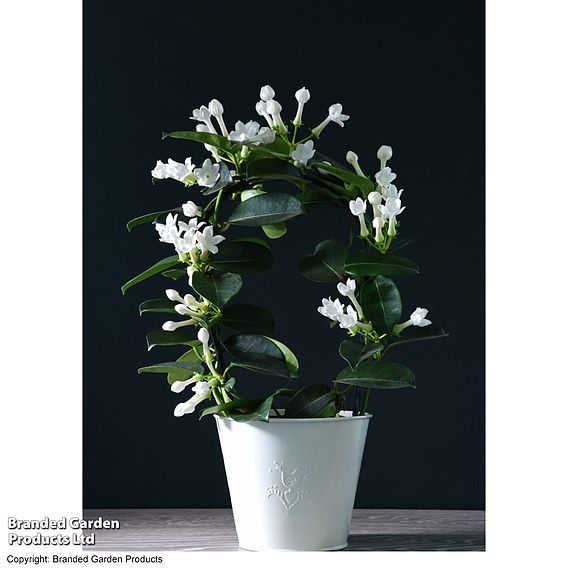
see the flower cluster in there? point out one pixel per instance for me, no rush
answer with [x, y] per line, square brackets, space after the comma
[206, 176]
[334, 310]
[385, 201]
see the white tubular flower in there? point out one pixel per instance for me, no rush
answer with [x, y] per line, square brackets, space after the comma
[244, 132]
[202, 392]
[186, 243]
[216, 109]
[303, 153]
[358, 208]
[208, 174]
[203, 336]
[178, 171]
[267, 93]
[375, 199]
[331, 310]
[385, 177]
[190, 209]
[206, 241]
[348, 320]
[173, 325]
[384, 154]
[179, 386]
[348, 290]
[265, 136]
[335, 114]
[274, 108]
[389, 211]
[391, 192]
[169, 231]
[190, 301]
[202, 388]
[378, 224]
[183, 310]
[208, 147]
[203, 114]
[302, 96]
[174, 295]
[261, 110]
[159, 171]
[353, 159]
[417, 318]
[191, 270]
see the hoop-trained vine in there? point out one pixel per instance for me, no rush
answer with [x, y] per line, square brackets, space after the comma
[244, 164]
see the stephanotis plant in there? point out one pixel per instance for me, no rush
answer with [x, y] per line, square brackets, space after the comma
[234, 187]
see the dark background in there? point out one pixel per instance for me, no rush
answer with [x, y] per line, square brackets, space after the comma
[411, 75]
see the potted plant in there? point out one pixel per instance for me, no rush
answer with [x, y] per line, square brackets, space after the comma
[292, 459]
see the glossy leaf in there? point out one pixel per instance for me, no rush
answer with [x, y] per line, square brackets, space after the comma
[414, 333]
[289, 357]
[203, 137]
[275, 231]
[378, 375]
[162, 305]
[248, 319]
[351, 351]
[242, 257]
[167, 338]
[174, 273]
[313, 198]
[370, 350]
[260, 413]
[381, 303]
[249, 343]
[274, 169]
[161, 265]
[309, 401]
[261, 363]
[345, 175]
[326, 264]
[218, 289]
[150, 218]
[266, 209]
[172, 367]
[374, 264]
[190, 356]
[244, 403]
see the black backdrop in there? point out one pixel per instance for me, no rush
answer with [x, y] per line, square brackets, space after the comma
[410, 75]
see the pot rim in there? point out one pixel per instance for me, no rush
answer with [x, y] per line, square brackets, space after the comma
[279, 420]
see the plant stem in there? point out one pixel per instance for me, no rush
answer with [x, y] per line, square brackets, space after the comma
[365, 401]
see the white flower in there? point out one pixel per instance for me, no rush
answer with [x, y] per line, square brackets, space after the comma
[261, 110]
[207, 242]
[378, 224]
[169, 231]
[190, 209]
[216, 109]
[274, 108]
[390, 192]
[302, 96]
[185, 243]
[267, 93]
[358, 208]
[385, 176]
[335, 114]
[201, 388]
[304, 152]
[174, 295]
[208, 147]
[390, 210]
[191, 270]
[331, 310]
[203, 336]
[173, 325]
[252, 133]
[349, 319]
[177, 170]
[184, 408]
[265, 136]
[375, 199]
[353, 159]
[208, 174]
[418, 317]
[348, 290]
[203, 114]
[384, 154]
[179, 386]
[159, 172]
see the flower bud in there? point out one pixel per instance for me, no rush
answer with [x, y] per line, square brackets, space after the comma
[203, 336]
[352, 158]
[303, 95]
[273, 107]
[173, 295]
[384, 153]
[216, 108]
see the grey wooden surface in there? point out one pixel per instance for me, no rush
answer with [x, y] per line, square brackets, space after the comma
[213, 529]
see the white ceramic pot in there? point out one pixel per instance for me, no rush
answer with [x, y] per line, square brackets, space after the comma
[293, 481]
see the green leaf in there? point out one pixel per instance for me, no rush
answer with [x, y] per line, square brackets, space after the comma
[374, 264]
[249, 343]
[370, 350]
[203, 137]
[149, 218]
[172, 367]
[399, 243]
[274, 169]
[313, 198]
[166, 338]
[377, 375]
[244, 403]
[289, 357]
[224, 180]
[248, 319]
[275, 231]
[326, 264]
[190, 356]
[309, 401]
[266, 209]
[328, 411]
[351, 351]
[261, 363]
[161, 305]
[161, 265]
[381, 303]
[242, 257]
[218, 289]
[260, 413]
[345, 175]
[174, 273]
[415, 333]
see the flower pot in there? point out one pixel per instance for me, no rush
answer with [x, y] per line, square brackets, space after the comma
[293, 481]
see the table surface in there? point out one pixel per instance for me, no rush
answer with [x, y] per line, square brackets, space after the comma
[214, 529]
